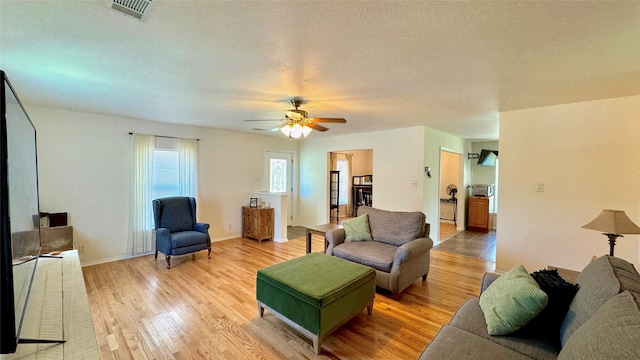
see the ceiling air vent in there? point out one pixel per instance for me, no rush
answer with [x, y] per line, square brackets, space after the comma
[138, 9]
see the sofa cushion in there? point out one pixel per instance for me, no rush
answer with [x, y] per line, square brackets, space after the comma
[560, 292]
[375, 254]
[394, 227]
[453, 343]
[512, 301]
[357, 229]
[613, 332]
[601, 280]
[469, 317]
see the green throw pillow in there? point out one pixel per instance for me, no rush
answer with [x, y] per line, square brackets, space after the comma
[357, 229]
[511, 301]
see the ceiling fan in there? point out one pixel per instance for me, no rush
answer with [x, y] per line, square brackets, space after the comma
[297, 122]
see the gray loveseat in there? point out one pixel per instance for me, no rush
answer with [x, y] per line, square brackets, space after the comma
[603, 322]
[399, 252]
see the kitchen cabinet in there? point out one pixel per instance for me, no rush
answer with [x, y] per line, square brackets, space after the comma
[478, 213]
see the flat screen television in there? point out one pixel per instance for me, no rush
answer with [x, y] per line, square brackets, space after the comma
[488, 157]
[19, 218]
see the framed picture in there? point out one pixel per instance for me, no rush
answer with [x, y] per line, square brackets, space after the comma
[253, 202]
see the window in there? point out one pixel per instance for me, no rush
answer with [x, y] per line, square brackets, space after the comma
[278, 178]
[343, 167]
[165, 179]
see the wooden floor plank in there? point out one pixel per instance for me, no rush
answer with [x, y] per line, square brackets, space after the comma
[206, 309]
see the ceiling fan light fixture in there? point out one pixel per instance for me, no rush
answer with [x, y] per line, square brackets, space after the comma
[295, 130]
[286, 130]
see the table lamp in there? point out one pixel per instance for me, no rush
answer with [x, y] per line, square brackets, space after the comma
[613, 223]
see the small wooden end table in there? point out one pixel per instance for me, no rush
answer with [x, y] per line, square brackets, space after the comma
[319, 230]
[566, 274]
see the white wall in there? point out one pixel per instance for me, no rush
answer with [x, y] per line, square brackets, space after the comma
[84, 170]
[434, 142]
[362, 163]
[587, 155]
[397, 159]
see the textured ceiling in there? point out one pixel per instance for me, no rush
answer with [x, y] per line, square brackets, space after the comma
[449, 65]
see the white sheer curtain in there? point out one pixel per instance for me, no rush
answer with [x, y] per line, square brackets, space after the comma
[188, 167]
[141, 211]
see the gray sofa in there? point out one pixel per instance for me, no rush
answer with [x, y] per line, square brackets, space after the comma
[603, 322]
[399, 252]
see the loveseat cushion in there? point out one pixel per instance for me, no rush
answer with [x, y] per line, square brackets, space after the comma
[375, 254]
[469, 317]
[601, 280]
[613, 332]
[453, 343]
[512, 301]
[560, 292]
[394, 227]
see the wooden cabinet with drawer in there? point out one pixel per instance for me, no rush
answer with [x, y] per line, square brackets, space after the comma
[257, 223]
[478, 213]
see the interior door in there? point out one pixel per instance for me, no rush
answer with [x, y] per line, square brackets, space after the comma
[279, 177]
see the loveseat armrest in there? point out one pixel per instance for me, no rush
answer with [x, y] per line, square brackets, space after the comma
[334, 238]
[488, 279]
[412, 248]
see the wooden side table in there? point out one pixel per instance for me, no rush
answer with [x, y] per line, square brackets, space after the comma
[257, 223]
[568, 275]
[319, 230]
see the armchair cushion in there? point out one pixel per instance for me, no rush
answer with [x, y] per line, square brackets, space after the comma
[357, 229]
[176, 214]
[375, 254]
[187, 238]
[385, 224]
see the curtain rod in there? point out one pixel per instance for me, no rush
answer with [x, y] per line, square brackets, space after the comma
[168, 137]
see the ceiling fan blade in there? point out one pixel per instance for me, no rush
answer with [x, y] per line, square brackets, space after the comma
[273, 129]
[272, 120]
[317, 127]
[329, 120]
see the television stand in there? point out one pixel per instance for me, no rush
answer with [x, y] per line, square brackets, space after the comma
[58, 308]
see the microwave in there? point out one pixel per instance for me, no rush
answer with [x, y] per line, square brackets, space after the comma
[482, 190]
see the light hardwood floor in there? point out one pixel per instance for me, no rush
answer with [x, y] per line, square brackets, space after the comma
[206, 309]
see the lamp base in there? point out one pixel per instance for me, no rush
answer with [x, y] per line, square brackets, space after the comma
[612, 241]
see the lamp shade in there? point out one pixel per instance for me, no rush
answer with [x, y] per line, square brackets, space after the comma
[613, 222]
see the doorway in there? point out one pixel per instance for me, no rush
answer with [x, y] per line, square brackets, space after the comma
[450, 190]
[355, 180]
[279, 177]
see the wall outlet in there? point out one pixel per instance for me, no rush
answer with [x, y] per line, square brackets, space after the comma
[540, 187]
[229, 226]
[82, 249]
[413, 183]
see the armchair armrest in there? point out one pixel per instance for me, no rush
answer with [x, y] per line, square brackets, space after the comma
[412, 248]
[163, 240]
[201, 227]
[488, 279]
[334, 238]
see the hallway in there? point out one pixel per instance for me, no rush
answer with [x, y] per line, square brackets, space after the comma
[474, 244]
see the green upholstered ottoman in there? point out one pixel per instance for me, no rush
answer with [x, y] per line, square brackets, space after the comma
[315, 293]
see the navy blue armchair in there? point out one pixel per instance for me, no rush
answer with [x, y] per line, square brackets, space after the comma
[177, 232]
